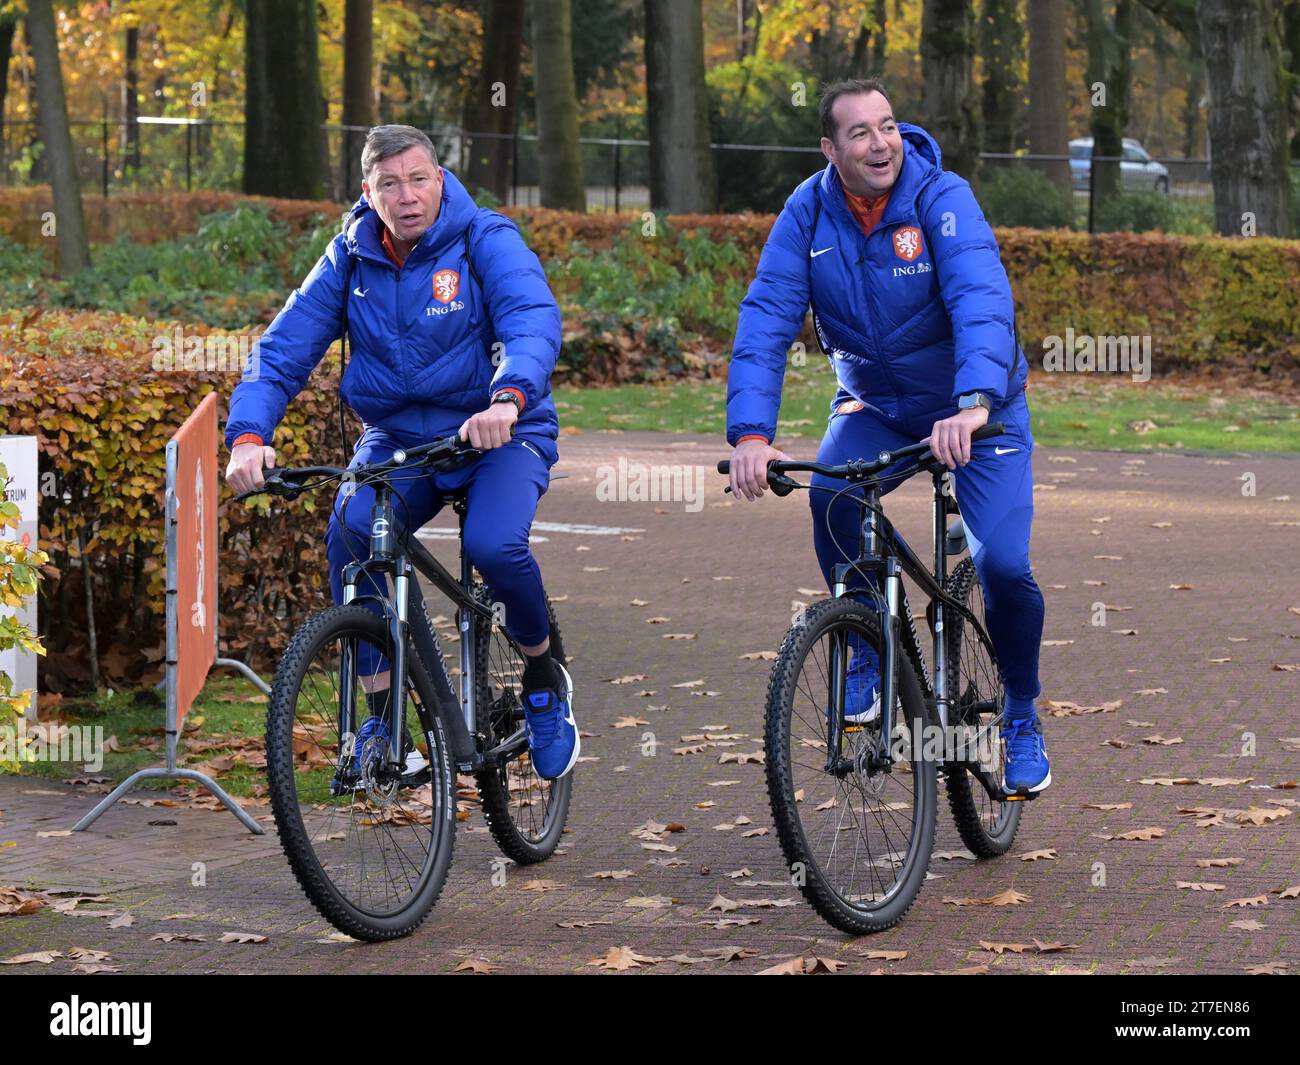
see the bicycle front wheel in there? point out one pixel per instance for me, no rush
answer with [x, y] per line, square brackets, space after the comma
[369, 843]
[857, 834]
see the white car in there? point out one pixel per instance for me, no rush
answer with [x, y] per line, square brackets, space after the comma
[1137, 169]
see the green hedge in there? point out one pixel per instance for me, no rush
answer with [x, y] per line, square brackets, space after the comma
[84, 384]
[651, 297]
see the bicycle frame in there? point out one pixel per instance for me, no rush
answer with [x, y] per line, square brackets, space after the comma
[399, 558]
[886, 555]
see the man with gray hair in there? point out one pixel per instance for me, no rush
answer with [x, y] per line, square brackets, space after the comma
[453, 330]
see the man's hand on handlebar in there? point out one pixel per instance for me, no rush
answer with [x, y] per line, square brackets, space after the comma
[244, 472]
[950, 437]
[490, 428]
[749, 468]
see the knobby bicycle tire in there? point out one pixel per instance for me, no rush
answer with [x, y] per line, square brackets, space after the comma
[316, 633]
[820, 619]
[964, 792]
[494, 784]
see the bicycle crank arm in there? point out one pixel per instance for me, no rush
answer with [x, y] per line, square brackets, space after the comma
[511, 747]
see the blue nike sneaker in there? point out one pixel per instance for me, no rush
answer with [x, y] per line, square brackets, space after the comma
[861, 684]
[372, 737]
[1026, 770]
[371, 742]
[553, 739]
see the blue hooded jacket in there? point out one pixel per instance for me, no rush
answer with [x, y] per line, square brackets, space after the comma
[429, 344]
[910, 317]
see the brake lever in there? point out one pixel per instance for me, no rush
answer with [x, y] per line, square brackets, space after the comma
[456, 460]
[780, 484]
[272, 485]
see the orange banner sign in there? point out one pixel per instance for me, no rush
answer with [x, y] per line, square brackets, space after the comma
[196, 552]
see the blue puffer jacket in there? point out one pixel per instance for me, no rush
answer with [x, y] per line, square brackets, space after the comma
[911, 316]
[423, 340]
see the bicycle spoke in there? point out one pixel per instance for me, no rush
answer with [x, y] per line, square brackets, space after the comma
[875, 810]
[375, 839]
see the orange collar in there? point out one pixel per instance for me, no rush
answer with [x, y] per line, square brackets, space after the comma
[390, 249]
[867, 212]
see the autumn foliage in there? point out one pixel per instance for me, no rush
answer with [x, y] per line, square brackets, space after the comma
[85, 385]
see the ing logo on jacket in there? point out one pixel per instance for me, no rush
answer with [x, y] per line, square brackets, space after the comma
[907, 242]
[446, 283]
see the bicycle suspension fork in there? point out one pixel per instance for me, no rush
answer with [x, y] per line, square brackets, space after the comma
[869, 560]
[383, 541]
[940, 576]
[465, 623]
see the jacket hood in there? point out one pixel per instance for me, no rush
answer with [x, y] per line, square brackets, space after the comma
[921, 143]
[364, 229]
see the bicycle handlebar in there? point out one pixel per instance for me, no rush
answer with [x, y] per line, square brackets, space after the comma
[854, 469]
[287, 483]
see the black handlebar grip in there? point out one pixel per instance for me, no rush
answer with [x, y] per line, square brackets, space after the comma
[724, 467]
[988, 429]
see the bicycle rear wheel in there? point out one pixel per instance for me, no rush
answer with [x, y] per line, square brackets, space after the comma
[987, 826]
[524, 813]
[858, 839]
[370, 847]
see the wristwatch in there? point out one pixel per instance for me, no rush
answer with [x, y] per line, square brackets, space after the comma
[970, 400]
[507, 397]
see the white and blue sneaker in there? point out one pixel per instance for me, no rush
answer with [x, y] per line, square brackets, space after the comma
[553, 739]
[1026, 771]
[371, 742]
[861, 684]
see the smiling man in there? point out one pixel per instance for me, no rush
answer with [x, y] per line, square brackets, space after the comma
[912, 306]
[453, 330]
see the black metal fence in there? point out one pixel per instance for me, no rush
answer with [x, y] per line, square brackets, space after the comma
[170, 154]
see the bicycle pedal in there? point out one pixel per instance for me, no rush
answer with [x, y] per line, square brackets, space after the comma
[1023, 796]
[416, 779]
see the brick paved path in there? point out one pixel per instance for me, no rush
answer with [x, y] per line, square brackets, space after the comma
[728, 572]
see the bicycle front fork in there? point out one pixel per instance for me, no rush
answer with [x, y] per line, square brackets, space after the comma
[888, 627]
[384, 560]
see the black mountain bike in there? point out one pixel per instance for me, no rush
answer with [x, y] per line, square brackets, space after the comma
[855, 800]
[367, 814]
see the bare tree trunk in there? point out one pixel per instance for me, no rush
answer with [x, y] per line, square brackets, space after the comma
[1248, 134]
[947, 56]
[358, 89]
[1156, 130]
[8, 24]
[1002, 45]
[496, 100]
[70, 222]
[1048, 129]
[559, 153]
[92, 642]
[1291, 47]
[677, 108]
[880, 42]
[131, 99]
[1192, 146]
[282, 136]
[1108, 75]
[858, 59]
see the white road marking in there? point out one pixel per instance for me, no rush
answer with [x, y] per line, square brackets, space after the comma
[439, 532]
[582, 530]
[446, 532]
